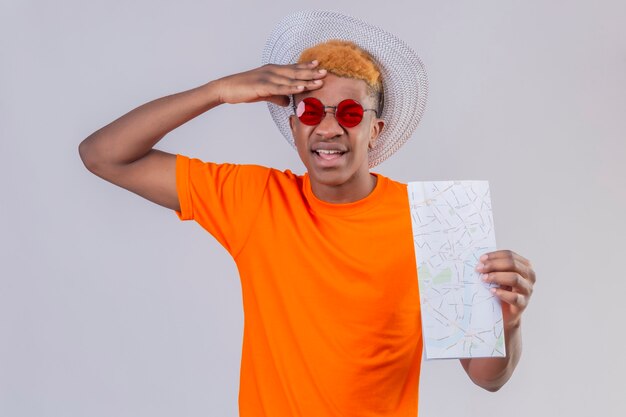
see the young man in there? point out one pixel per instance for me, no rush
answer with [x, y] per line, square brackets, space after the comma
[331, 305]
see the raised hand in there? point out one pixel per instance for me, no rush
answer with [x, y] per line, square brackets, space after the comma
[271, 82]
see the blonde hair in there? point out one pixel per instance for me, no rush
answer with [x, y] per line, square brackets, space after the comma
[346, 59]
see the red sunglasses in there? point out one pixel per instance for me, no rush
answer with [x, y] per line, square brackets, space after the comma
[348, 113]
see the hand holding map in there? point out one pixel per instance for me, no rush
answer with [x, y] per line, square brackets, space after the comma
[452, 227]
[515, 278]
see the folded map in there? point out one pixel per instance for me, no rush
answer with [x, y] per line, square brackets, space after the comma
[452, 227]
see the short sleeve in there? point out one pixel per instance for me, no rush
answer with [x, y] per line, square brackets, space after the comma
[222, 198]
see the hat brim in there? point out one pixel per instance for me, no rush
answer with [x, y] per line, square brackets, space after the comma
[404, 79]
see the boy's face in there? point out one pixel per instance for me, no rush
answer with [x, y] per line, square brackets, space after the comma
[348, 169]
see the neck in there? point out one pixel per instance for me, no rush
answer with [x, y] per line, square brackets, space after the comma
[348, 192]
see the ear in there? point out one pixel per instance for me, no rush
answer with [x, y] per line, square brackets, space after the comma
[292, 117]
[292, 124]
[377, 128]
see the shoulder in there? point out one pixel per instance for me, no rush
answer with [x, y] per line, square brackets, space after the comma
[200, 164]
[391, 184]
[247, 174]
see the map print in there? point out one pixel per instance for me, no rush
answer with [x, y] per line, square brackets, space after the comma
[452, 227]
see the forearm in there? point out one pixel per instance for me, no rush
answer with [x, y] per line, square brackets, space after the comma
[492, 373]
[134, 134]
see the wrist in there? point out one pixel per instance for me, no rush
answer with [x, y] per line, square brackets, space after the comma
[213, 91]
[514, 325]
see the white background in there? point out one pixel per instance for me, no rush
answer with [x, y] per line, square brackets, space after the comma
[111, 306]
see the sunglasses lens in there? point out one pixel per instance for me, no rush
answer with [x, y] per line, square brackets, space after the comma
[310, 111]
[349, 113]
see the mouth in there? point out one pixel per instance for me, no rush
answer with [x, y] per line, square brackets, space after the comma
[329, 154]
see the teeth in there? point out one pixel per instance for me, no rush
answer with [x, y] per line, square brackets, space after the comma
[327, 152]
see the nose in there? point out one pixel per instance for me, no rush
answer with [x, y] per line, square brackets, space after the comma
[329, 127]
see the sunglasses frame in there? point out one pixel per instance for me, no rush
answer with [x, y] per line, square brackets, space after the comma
[324, 107]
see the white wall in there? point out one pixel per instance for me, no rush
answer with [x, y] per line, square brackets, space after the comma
[110, 306]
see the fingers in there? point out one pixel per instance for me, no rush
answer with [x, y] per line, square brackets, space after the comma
[291, 85]
[510, 280]
[512, 273]
[296, 72]
[279, 93]
[305, 71]
[271, 82]
[513, 298]
[278, 82]
[301, 76]
[505, 253]
[506, 260]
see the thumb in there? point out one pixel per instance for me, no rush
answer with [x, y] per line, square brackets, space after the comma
[279, 100]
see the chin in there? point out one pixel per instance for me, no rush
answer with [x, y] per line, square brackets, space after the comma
[330, 179]
[333, 177]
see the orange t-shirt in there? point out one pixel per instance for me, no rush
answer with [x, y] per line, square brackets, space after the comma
[330, 295]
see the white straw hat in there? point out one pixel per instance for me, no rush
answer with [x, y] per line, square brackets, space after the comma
[404, 79]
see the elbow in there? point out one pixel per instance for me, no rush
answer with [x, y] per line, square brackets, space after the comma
[492, 388]
[87, 156]
[486, 375]
[491, 385]
[82, 152]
